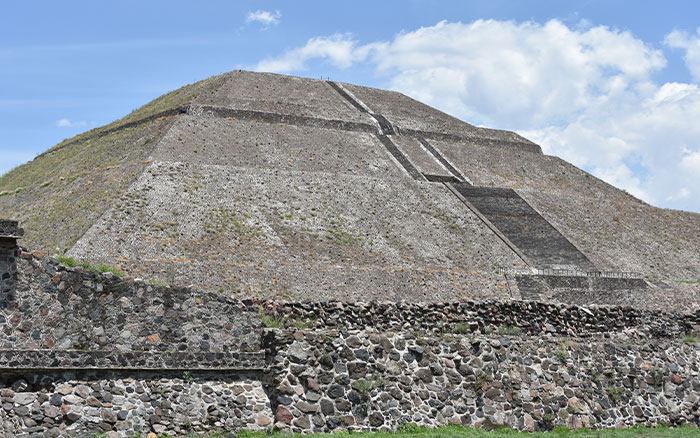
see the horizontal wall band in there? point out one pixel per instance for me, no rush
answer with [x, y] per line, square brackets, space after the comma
[289, 119]
[130, 360]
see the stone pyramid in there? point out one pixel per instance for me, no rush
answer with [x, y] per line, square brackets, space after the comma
[263, 185]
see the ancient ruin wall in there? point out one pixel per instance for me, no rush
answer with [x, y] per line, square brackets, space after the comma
[368, 380]
[84, 352]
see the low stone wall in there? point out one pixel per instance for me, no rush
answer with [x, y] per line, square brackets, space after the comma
[485, 317]
[365, 380]
[83, 353]
[72, 404]
[55, 307]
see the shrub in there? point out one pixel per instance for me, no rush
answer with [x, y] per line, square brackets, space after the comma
[271, 321]
[459, 328]
[97, 269]
[67, 261]
[508, 330]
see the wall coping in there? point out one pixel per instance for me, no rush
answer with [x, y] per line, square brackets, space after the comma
[12, 360]
[10, 228]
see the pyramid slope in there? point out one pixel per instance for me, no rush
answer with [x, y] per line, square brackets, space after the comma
[256, 184]
[615, 230]
[58, 195]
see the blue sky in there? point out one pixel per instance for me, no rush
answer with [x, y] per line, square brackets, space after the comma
[610, 86]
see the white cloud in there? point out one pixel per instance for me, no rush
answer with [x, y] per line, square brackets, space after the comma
[691, 44]
[266, 18]
[339, 49]
[683, 193]
[67, 123]
[586, 94]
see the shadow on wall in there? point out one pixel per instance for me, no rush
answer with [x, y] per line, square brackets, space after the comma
[9, 233]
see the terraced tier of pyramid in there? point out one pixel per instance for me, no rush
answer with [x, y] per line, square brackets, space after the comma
[256, 184]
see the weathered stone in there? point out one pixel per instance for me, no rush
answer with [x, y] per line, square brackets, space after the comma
[297, 353]
[302, 422]
[424, 374]
[353, 342]
[56, 399]
[64, 389]
[307, 408]
[24, 398]
[327, 407]
[263, 420]
[357, 370]
[376, 419]
[109, 416]
[335, 391]
[283, 415]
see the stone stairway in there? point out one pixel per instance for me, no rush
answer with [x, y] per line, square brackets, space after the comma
[542, 244]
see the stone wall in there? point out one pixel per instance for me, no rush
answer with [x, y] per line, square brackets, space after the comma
[72, 308]
[82, 352]
[8, 271]
[368, 380]
[485, 317]
[81, 403]
[9, 233]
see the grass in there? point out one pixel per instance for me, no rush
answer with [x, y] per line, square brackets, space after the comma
[58, 196]
[411, 430]
[87, 179]
[97, 269]
[271, 321]
[508, 330]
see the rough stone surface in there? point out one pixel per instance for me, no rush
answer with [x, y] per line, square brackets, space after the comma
[528, 383]
[322, 172]
[54, 307]
[136, 402]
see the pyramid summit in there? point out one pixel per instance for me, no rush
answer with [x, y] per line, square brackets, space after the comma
[264, 185]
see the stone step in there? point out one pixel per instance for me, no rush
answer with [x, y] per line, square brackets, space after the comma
[534, 236]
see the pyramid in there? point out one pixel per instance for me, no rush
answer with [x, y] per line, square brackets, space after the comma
[264, 185]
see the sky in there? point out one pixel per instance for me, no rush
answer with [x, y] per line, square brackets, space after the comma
[610, 86]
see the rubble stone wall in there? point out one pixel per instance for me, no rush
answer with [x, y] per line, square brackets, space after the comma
[56, 307]
[327, 381]
[485, 317]
[122, 404]
[82, 353]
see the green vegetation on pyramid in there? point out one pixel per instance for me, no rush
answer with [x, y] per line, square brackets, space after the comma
[58, 195]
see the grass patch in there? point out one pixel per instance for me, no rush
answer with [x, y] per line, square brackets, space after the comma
[271, 321]
[97, 269]
[461, 328]
[690, 340]
[365, 386]
[67, 261]
[412, 430]
[508, 330]
[303, 325]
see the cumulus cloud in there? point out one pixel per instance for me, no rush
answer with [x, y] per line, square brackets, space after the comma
[340, 50]
[691, 44]
[67, 123]
[266, 18]
[586, 93]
